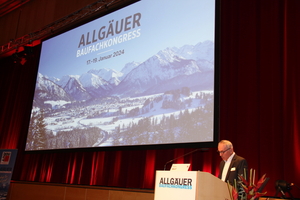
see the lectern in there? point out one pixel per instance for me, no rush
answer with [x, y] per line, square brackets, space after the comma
[190, 185]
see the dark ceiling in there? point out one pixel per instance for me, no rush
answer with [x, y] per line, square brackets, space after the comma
[34, 38]
[7, 6]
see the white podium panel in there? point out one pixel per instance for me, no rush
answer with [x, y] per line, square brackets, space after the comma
[189, 185]
[175, 185]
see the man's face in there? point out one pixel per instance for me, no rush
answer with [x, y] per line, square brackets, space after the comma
[224, 151]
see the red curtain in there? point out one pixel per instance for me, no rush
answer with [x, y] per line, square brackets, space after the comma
[259, 108]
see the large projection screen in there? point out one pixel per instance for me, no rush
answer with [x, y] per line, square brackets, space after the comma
[142, 75]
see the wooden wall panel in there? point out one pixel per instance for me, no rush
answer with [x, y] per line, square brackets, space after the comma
[47, 191]
[93, 194]
[73, 193]
[35, 192]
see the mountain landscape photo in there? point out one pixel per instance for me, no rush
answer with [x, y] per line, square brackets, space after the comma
[168, 98]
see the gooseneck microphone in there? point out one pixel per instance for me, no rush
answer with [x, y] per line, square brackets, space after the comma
[201, 149]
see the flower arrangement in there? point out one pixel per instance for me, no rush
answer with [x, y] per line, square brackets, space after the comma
[245, 190]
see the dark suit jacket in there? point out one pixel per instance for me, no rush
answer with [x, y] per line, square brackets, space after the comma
[237, 166]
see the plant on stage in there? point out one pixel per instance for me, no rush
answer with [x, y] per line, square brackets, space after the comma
[245, 190]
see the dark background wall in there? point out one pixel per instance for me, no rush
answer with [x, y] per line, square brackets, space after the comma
[259, 100]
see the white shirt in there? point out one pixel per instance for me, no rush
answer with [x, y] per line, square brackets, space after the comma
[226, 166]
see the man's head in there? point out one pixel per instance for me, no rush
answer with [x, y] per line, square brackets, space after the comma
[225, 149]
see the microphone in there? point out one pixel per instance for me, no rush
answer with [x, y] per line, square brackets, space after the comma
[281, 191]
[283, 187]
[201, 149]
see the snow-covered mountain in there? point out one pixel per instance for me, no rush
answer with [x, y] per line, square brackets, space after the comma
[96, 85]
[110, 75]
[190, 65]
[129, 67]
[202, 53]
[48, 90]
[161, 67]
[75, 89]
[64, 80]
[196, 81]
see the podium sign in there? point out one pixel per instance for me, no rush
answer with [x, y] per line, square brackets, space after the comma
[175, 185]
[190, 185]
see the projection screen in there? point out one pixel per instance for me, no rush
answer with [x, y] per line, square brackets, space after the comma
[142, 75]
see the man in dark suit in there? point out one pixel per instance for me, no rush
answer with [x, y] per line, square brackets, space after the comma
[231, 165]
